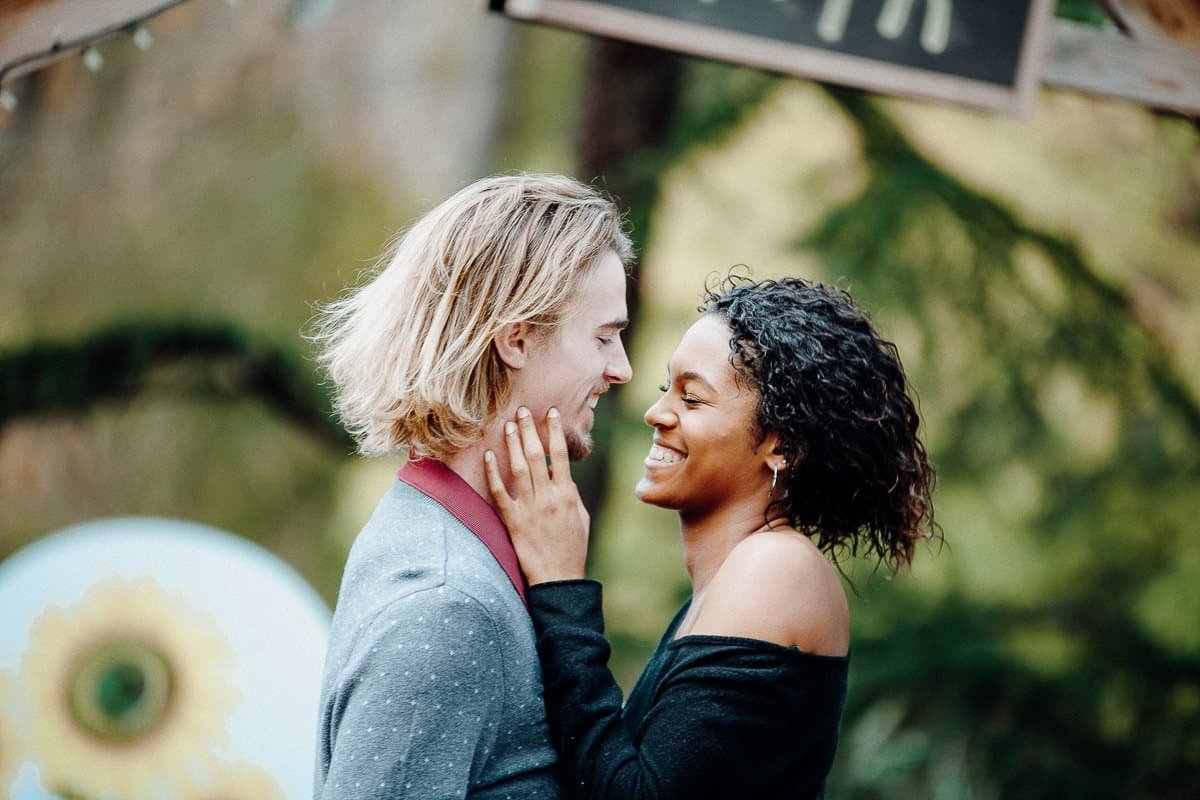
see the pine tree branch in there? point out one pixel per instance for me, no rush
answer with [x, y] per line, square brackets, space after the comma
[888, 151]
[117, 363]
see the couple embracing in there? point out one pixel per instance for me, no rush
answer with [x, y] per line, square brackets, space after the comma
[467, 657]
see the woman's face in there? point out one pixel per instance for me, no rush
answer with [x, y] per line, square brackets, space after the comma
[705, 452]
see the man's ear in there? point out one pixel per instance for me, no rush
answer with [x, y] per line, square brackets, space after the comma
[512, 342]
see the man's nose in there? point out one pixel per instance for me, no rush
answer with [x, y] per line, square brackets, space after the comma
[618, 369]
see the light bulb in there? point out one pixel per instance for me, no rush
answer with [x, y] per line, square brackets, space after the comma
[142, 38]
[92, 59]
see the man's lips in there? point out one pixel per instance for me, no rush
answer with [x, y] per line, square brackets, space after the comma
[594, 398]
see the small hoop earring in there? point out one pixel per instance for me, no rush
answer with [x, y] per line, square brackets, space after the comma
[774, 478]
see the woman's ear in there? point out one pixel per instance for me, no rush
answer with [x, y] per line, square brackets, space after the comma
[512, 343]
[771, 452]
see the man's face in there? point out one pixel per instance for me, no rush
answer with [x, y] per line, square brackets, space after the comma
[572, 367]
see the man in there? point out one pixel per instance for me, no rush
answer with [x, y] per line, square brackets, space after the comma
[509, 294]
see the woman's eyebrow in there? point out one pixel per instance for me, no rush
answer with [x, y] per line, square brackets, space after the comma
[691, 375]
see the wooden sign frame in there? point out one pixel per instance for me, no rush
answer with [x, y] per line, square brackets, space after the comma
[821, 64]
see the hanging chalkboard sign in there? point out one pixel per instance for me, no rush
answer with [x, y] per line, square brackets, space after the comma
[984, 53]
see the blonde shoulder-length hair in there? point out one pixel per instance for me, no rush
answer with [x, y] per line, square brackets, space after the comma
[410, 353]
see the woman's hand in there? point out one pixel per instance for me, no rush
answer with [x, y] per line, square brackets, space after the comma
[545, 517]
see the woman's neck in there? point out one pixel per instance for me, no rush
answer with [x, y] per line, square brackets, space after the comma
[708, 538]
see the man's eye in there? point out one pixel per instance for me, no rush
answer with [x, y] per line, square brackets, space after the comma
[605, 340]
[662, 387]
[690, 400]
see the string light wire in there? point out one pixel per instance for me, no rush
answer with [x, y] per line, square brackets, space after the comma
[86, 46]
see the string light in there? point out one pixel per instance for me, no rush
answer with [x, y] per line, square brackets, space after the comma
[92, 59]
[142, 38]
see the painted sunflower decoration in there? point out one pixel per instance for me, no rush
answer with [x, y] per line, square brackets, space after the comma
[133, 691]
[154, 659]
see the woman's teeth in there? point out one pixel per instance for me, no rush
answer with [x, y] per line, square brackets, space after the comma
[664, 455]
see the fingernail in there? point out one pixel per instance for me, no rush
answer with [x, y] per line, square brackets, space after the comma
[553, 413]
[489, 456]
[522, 412]
[510, 428]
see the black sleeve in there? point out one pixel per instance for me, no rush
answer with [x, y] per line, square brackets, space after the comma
[726, 721]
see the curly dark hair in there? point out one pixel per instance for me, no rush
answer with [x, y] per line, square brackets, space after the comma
[857, 475]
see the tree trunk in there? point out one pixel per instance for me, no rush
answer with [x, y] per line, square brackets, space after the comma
[631, 94]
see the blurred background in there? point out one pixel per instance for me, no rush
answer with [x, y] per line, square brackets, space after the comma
[168, 223]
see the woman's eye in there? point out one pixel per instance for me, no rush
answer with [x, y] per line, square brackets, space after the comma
[662, 387]
[690, 400]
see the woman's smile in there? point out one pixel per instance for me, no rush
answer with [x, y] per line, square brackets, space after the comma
[661, 455]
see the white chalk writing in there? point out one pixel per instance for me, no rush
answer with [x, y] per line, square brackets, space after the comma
[892, 22]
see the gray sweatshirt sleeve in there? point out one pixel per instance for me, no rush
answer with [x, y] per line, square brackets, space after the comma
[416, 712]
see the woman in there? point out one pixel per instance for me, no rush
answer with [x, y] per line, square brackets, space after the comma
[785, 435]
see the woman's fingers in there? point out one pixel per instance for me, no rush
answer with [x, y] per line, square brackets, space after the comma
[560, 465]
[535, 454]
[517, 465]
[545, 518]
[496, 483]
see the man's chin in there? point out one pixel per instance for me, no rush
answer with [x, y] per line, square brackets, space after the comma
[579, 446]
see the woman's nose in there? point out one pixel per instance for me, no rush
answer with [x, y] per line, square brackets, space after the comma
[657, 415]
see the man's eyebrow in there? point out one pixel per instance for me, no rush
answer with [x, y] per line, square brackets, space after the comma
[614, 325]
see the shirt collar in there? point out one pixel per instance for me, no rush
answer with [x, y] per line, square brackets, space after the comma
[442, 484]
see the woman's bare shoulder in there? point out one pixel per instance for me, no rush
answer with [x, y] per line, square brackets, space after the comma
[777, 586]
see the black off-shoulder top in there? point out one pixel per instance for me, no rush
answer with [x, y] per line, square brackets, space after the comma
[711, 716]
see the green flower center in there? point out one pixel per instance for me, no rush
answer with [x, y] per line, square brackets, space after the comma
[120, 690]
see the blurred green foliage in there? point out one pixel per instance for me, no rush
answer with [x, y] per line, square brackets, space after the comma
[115, 364]
[1091, 687]
[1088, 11]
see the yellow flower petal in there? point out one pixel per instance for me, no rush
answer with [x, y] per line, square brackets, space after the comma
[131, 691]
[12, 745]
[239, 782]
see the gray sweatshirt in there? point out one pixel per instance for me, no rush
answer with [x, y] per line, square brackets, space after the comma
[432, 686]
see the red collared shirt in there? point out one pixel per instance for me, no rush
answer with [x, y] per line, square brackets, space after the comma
[438, 482]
